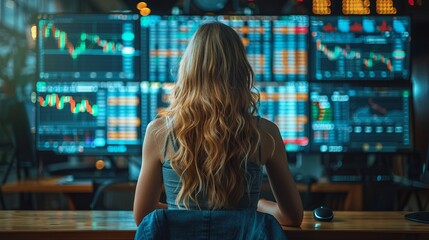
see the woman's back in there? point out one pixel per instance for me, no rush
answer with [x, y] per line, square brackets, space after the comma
[253, 168]
[172, 185]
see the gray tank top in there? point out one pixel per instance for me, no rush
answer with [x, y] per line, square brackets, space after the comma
[172, 183]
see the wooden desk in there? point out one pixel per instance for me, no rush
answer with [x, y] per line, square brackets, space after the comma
[353, 200]
[360, 225]
[64, 225]
[46, 185]
[111, 225]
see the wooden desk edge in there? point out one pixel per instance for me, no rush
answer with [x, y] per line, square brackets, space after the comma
[45, 185]
[120, 225]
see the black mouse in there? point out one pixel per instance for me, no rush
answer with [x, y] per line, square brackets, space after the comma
[323, 214]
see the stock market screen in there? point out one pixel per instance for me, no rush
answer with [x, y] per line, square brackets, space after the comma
[88, 117]
[286, 105]
[96, 47]
[360, 47]
[154, 99]
[276, 45]
[357, 118]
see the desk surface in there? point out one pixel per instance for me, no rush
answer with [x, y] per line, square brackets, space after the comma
[360, 225]
[46, 185]
[120, 225]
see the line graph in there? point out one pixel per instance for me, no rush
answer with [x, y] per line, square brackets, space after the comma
[98, 47]
[88, 117]
[347, 53]
[57, 101]
[84, 44]
[374, 57]
[360, 48]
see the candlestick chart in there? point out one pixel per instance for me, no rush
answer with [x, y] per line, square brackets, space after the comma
[360, 48]
[88, 47]
[86, 117]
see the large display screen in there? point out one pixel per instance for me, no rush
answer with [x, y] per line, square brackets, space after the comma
[276, 45]
[286, 104]
[88, 117]
[357, 118]
[330, 83]
[154, 100]
[360, 48]
[81, 47]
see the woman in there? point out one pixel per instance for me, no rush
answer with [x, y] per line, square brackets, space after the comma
[208, 147]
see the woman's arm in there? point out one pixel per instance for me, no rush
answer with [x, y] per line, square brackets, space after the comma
[149, 184]
[287, 209]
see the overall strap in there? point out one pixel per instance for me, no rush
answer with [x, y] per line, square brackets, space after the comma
[170, 138]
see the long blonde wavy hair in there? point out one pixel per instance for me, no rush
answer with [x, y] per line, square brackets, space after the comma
[212, 109]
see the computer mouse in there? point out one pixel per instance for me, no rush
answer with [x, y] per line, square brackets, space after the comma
[323, 214]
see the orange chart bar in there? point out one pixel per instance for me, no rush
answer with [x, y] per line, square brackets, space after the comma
[283, 96]
[123, 121]
[112, 135]
[134, 101]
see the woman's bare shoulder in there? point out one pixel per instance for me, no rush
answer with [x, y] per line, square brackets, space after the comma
[157, 123]
[157, 128]
[268, 126]
[154, 139]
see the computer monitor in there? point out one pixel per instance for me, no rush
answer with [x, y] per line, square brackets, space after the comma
[286, 104]
[351, 118]
[154, 99]
[93, 118]
[74, 47]
[360, 48]
[276, 45]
